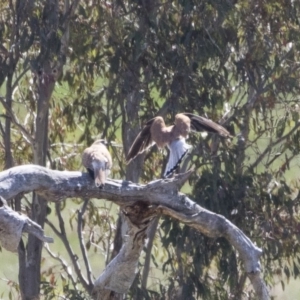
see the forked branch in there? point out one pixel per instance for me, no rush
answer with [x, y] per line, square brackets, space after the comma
[140, 203]
[13, 224]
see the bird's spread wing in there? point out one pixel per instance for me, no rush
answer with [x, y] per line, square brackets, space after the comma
[142, 142]
[199, 123]
[178, 149]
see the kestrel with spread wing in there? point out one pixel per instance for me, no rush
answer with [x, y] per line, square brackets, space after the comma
[156, 132]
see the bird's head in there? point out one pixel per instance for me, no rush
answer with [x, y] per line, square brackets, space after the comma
[100, 142]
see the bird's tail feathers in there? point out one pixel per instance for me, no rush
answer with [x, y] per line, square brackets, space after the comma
[178, 149]
[100, 174]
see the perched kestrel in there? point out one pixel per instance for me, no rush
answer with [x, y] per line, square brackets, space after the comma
[156, 132]
[97, 160]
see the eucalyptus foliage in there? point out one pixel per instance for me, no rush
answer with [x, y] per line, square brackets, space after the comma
[236, 61]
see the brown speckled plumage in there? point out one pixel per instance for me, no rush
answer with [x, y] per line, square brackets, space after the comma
[156, 131]
[97, 160]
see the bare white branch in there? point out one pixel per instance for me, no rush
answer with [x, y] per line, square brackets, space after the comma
[140, 204]
[13, 224]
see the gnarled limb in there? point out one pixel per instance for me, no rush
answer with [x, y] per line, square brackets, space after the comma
[13, 224]
[140, 203]
[121, 271]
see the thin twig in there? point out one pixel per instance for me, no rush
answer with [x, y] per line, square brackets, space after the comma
[2, 129]
[214, 43]
[239, 290]
[81, 241]
[151, 234]
[20, 77]
[63, 236]
[63, 264]
[25, 133]
[272, 144]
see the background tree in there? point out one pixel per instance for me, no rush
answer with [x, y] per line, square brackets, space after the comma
[127, 61]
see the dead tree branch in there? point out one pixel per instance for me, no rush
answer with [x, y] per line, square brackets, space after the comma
[140, 204]
[13, 224]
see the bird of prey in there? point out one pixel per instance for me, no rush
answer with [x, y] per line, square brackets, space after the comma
[156, 132]
[97, 160]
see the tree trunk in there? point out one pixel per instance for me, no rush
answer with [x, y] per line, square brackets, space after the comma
[30, 256]
[29, 273]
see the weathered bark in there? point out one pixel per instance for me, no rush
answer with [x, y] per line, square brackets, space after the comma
[8, 159]
[121, 271]
[13, 224]
[29, 273]
[140, 203]
[148, 250]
